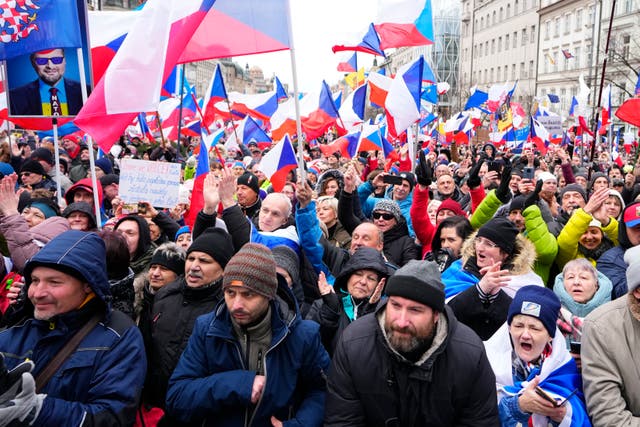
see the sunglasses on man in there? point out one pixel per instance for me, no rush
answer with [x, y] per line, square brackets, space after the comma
[56, 60]
[383, 215]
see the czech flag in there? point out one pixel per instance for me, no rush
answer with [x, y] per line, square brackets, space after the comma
[249, 131]
[278, 162]
[403, 100]
[379, 86]
[352, 110]
[140, 67]
[107, 31]
[216, 92]
[370, 44]
[405, 23]
[350, 65]
[371, 139]
[606, 110]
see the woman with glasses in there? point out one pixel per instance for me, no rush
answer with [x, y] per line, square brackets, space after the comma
[496, 262]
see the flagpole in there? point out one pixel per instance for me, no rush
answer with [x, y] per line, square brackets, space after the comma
[94, 182]
[604, 69]
[292, 52]
[56, 146]
[164, 143]
[180, 112]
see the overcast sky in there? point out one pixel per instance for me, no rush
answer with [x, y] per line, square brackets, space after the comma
[318, 25]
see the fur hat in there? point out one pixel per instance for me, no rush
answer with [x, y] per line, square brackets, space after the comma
[255, 268]
[171, 256]
[539, 302]
[388, 205]
[500, 231]
[250, 180]
[214, 242]
[418, 281]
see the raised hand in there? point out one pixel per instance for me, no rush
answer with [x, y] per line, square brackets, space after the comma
[304, 193]
[227, 188]
[493, 278]
[8, 196]
[210, 193]
[423, 170]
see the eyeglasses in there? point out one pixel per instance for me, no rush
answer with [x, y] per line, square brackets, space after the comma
[383, 215]
[484, 242]
[27, 174]
[56, 60]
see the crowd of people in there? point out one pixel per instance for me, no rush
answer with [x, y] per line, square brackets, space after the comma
[467, 286]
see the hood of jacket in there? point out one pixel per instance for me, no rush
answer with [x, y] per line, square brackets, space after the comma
[602, 295]
[331, 174]
[364, 258]
[85, 184]
[79, 253]
[521, 260]
[144, 239]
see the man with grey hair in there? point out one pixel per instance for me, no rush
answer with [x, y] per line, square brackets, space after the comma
[609, 345]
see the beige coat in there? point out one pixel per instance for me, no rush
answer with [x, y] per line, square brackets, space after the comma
[611, 363]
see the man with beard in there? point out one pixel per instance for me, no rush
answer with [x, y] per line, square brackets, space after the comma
[411, 363]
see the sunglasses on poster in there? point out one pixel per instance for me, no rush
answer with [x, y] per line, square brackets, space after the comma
[56, 60]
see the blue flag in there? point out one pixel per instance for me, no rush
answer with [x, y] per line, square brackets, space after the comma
[33, 25]
[553, 98]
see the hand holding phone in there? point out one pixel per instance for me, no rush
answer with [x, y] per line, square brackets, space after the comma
[557, 403]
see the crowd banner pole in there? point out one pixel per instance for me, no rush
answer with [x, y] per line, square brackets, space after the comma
[56, 147]
[94, 182]
[83, 77]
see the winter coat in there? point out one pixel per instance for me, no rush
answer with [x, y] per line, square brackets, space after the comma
[399, 248]
[536, 231]
[461, 278]
[166, 331]
[364, 193]
[372, 385]
[142, 256]
[569, 237]
[330, 311]
[610, 363]
[612, 264]
[24, 242]
[122, 293]
[210, 386]
[100, 382]
[458, 196]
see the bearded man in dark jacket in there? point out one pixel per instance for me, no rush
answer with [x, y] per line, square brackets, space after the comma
[411, 363]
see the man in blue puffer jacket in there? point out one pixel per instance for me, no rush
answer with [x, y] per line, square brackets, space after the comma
[100, 382]
[253, 361]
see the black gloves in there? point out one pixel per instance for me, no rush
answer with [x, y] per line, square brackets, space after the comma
[534, 197]
[423, 170]
[502, 192]
[474, 179]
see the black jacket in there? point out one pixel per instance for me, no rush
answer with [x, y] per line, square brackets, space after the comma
[371, 385]
[168, 328]
[483, 318]
[399, 247]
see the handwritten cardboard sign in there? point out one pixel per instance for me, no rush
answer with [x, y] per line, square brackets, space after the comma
[155, 182]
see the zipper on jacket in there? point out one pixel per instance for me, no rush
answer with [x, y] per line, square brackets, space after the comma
[264, 362]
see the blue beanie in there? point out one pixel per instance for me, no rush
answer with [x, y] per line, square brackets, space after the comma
[539, 302]
[5, 169]
[182, 230]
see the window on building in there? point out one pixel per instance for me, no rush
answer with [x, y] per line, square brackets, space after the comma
[523, 73]
[628, 6]
[486, 47]
[524, 5]
[545, 68]
[567, 23]
[501, 15]
[589, 53]
[513, 72]
[626, 39]
[499, 44]
[498, 73]
[493, 46]
[622, 92]
[506, 72]
[491, 75]
[547, 30]
[486, 76]
[524, 37]
[532, 72]
[515, 39]
[556, 28]
[577, 55]
[555, 61]
[533, 34]
[476, 25]
[591, 12]
[506, 42]
[482, 22]
[516, 8]
[578, 20]
[494, 17]
[565, 62]
[508, 10]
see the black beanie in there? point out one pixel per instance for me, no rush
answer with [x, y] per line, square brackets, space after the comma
[171, 256]
[250, 180]
[517, 203]
[418, 281]
[214, 242]
[32, 166]
[500, 231]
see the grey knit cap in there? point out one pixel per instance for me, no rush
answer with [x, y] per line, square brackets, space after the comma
[287, 259]
[254, 267]
[418, 281]
[632, 259]
[388, 205]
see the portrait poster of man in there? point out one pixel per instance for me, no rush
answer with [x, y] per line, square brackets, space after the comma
[45, 81]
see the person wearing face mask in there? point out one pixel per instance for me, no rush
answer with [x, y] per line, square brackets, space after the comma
[530, 360]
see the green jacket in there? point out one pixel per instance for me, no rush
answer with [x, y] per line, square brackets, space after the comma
[569, 237]
[535, 230]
